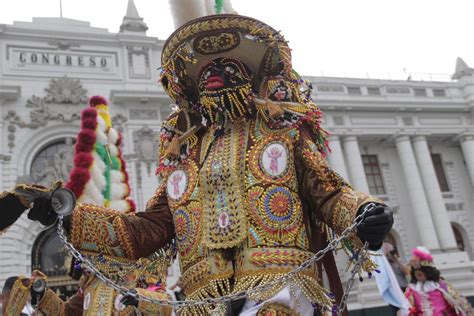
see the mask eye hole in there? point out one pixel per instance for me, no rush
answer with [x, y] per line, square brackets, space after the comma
[229, 70]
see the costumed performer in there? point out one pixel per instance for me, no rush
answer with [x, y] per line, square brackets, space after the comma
[430, 294]
[246, 191]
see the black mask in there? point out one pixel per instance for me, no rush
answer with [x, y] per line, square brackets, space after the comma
[224, 85]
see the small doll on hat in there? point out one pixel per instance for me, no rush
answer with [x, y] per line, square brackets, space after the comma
[429, 293]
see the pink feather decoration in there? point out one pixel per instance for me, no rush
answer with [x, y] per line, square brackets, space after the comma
[422, 255]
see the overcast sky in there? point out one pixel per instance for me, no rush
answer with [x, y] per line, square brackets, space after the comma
[375, 38]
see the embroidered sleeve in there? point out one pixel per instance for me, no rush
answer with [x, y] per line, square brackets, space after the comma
[52, 305]
[329, 197]
[134, 235]
[147, 308]
[19, 294]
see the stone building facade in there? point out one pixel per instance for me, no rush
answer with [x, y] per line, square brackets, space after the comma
[410, 143]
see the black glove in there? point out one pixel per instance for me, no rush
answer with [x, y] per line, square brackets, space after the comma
[375, 225]
[42, 211]
[37, 291]
[10, 209]
[129, 300]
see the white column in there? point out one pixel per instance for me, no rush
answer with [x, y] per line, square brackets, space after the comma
[416, 194]
[467, 146]
[433, 194]
[336, 158]
[354, 164]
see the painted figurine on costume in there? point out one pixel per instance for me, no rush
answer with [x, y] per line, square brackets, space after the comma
[428, 293]
[239, 220]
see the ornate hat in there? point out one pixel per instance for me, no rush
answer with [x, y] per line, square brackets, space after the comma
[422, 256]
[190, 47]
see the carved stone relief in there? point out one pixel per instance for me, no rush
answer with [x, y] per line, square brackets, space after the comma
[65, 90]
[137, 51]
[117, 122]
[48, 167]
[146, 146]
[61, 91]
[143, 114]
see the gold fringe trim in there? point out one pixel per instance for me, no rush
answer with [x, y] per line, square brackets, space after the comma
[213, 288]
[310, 287]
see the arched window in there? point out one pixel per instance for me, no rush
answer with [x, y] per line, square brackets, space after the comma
[51, 257]
[459, 239]
[53, 163]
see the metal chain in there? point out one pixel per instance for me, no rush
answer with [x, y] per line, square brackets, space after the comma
[226, 298]
[350, 282]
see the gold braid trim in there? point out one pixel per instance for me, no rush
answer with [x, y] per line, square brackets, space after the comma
[224, 22]
[305, 280]
[101, 230]
[51, 304]
[151, 309]
[159, 193]
[124, 237]
[279, 257]
[213, 288]
[17, 299]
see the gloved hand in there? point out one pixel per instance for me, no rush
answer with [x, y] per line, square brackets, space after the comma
[42, 211]
[129, 300]
[375, 225]
[11, 208]
[37, 291]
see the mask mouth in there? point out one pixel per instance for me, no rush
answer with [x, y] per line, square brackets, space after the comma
[214, 83]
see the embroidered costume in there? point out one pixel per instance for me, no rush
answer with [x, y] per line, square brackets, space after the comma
[246, 191]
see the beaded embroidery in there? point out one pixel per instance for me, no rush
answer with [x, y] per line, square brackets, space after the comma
[188, 228]
[276, 309]
[100, 230]
[225, 208]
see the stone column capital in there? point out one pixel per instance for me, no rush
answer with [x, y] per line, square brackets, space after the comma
[418, 138]
[464, 136]
[334, 137]
[350, 138]
[401, 138]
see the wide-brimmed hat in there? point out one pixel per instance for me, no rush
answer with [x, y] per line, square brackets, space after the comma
[190, 47]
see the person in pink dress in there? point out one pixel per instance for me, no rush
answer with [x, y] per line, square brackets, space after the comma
[428, 293]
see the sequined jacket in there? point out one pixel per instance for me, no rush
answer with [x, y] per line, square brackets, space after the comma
[244, 208]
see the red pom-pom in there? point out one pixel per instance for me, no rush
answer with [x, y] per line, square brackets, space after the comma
[89, 113]
[97, 100]
[85, 141]
[119, 140]
[83, 160]
[78, 180]
[89, 123]
[131, 204]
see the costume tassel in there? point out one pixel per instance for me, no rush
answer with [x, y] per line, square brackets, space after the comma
[274, 110]
[173, 147]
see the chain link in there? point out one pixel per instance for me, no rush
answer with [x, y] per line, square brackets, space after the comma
[238, 295]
